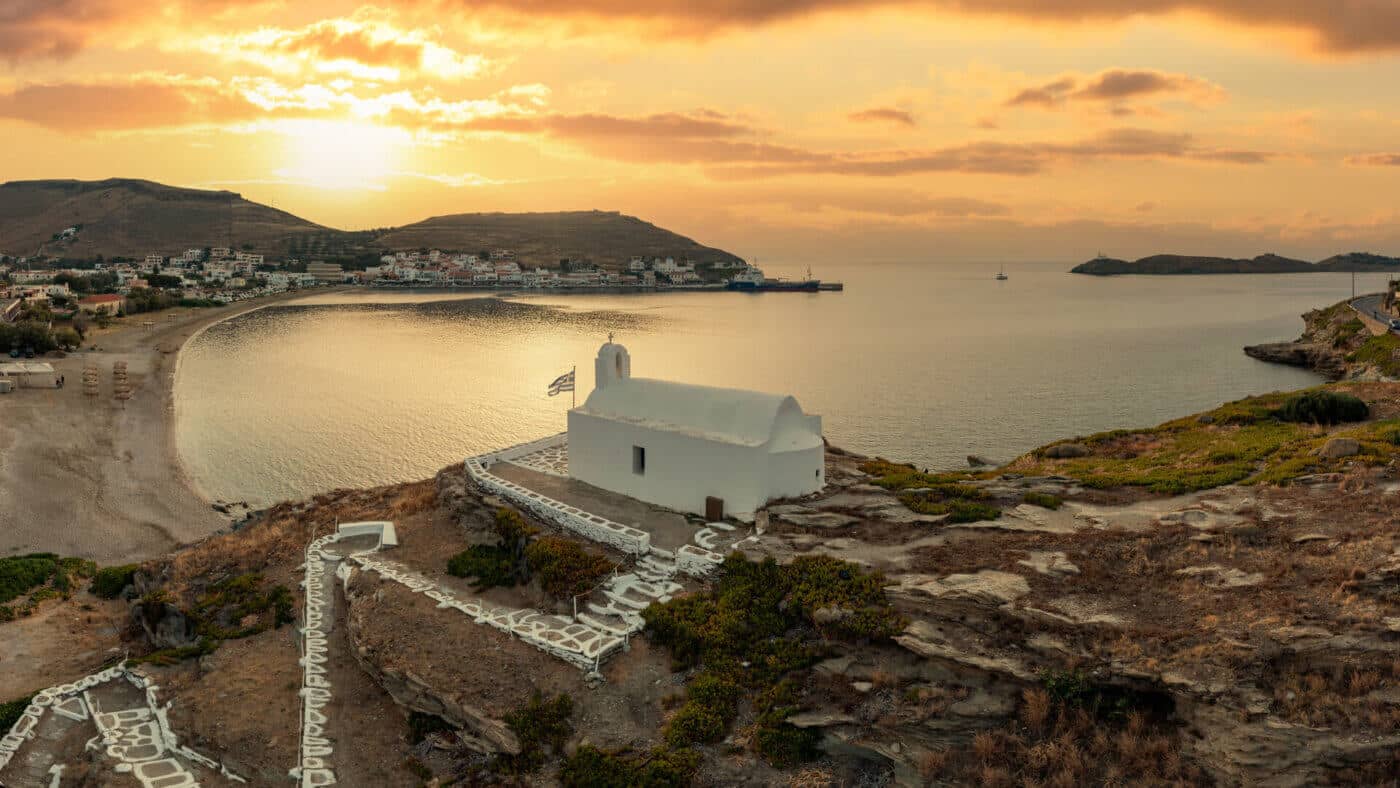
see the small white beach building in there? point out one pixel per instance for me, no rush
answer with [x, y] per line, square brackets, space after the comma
[676, 444]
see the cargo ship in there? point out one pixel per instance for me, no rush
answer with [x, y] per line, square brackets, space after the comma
[752, 280]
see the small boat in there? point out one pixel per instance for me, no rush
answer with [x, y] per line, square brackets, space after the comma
[1001, 274]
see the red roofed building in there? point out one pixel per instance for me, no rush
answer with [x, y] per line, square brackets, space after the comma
[103, 304]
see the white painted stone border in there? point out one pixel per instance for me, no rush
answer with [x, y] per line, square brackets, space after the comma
[314, 748]
[573, 644]
[590, 526]
[24, 728]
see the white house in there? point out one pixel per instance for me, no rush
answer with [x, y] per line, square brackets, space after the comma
[676, 444]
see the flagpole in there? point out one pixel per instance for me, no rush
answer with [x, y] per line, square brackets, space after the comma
[573, 392]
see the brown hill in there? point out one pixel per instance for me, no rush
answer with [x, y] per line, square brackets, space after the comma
[132, 218]
[608, 238]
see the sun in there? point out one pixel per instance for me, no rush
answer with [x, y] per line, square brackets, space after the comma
[342, 154]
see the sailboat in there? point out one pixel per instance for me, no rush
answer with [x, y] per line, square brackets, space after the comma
[1001, 274]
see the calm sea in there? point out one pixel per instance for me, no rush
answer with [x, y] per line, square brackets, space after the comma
[915, 362]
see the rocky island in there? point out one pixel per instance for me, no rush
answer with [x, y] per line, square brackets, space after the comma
[1176, 264]
[1207, 601]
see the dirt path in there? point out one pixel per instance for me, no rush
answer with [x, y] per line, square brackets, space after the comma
[91, 477]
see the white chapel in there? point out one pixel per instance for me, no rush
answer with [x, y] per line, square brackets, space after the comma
[675, 444]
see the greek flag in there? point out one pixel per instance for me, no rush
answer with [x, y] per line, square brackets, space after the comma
[561, 384]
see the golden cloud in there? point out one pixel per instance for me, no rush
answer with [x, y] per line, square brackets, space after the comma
[363, 45]
[1116, 86]
[1335, 25]
[892, 115]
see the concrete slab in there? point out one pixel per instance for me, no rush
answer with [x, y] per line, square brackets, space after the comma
[669, 530]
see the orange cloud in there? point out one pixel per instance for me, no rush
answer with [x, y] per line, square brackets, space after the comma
[1336, 26]
[892, 115]
[362, 45]
[1115, 86]
[997, 158]
[145, 102]
[59, 28]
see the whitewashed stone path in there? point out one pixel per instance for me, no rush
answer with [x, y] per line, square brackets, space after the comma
[552, 459]
[132, 731]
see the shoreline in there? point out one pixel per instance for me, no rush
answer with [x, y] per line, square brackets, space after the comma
[91, 478]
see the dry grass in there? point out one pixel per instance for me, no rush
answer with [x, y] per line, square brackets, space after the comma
[1069, 746]
[932, 763]
[280, 537]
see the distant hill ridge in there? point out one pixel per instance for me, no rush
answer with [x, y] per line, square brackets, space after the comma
[1175, 264]
[123, 217]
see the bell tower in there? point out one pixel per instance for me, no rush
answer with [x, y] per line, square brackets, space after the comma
[612, 365]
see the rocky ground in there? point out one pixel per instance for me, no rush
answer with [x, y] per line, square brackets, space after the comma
[1056, 632]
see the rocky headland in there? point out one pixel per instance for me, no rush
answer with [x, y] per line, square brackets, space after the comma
[1339, 345]
[1210, 601]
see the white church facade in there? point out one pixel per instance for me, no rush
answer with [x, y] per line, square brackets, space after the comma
[677, 445]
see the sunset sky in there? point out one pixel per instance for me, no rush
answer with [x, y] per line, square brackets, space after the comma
[790, 129]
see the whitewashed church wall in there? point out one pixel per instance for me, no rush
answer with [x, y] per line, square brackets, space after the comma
[680, 470]
[797, 473]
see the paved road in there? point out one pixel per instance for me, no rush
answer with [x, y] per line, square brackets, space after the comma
[1371, 305]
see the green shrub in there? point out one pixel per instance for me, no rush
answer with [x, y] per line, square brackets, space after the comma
[971, 512]
[564, 568]
[491, 565]
[696, 723]
[11, 712]
[512, 529]
[1043, 500]
[541, 726]
[20, 574]
[110, 581]
[754, 632]
[1323, 407]
[590, 767]
[219, 613]
[501, 564]
[779, 743]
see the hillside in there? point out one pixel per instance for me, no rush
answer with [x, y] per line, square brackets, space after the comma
[605, 237]
[133, 218]
[1162, 264]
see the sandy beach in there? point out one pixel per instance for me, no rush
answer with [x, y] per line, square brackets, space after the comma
[91, 477]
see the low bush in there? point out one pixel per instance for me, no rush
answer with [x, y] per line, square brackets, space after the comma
[221, 612]
[755, 634]
[590, 767]
[1043, 500]
[490, 565]
[564, 568]
[21, 574]
[11, 712]
[1323, 407]
[502, 564]
[542, 726]
[959, 510]
[109, 582]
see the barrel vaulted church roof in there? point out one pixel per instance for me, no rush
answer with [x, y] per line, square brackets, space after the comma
[748, 418]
